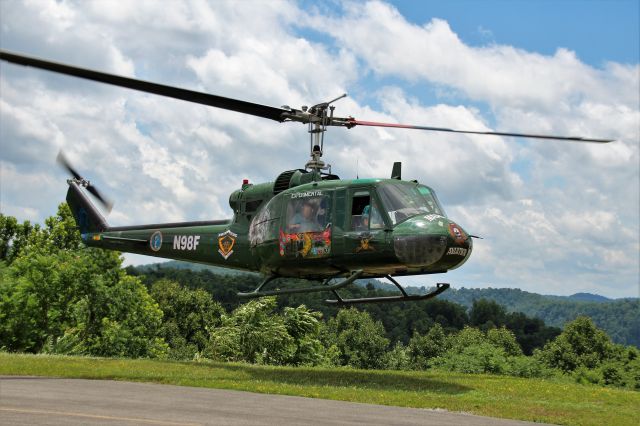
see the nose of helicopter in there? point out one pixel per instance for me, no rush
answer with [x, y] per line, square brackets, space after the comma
[431, 241]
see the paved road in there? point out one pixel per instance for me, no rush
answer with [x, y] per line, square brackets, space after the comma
[50, 401]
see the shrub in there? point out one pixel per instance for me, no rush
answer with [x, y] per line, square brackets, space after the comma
[359, 340]
[505, 339]
[423, 348]
[581, 344]
[477, 358]
[398, 358]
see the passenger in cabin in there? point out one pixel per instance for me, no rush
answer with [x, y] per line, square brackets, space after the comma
[305, 220]
[368, 219]
[365, 217]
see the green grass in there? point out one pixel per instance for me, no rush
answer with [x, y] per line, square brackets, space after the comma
[550, 401]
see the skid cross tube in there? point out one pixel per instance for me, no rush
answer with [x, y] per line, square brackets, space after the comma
[324, 287]
[404, 297]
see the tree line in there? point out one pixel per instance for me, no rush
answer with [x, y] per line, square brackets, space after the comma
[57, 296]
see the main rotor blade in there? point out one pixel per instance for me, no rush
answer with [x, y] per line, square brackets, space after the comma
[353, 122]
[250, 108]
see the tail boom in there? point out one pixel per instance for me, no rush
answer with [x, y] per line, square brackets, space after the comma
[210, 242]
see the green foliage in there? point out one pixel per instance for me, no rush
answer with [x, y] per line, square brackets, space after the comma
[255, 333]
[59, 233]
[303, 325]
[619, 318]
[493, 352]
[82, 298]
[423, 348]
[587, 353]
[398, 358]
[581, 344]
[505, 339]
[478, 358]
[8, 229]
[621, 369]
[471, 351]
[56, 297]
[358, 337]
[187, 315]
[467, 337]
[252, 333]
[486, 314]
[399, 321]
[14, 236]
[530, 333]
[529, 367]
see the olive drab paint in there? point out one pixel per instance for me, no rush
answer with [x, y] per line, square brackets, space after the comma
[268, 233]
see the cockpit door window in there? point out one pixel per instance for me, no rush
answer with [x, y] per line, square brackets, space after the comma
[308, 214]
[365, 214]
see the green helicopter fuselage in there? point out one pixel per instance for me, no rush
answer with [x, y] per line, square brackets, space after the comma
[293, 228]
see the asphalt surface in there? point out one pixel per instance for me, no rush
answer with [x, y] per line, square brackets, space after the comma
[51, 401]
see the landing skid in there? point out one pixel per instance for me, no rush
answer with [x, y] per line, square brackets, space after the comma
[404, 297]
[339, 301]
[324, 287]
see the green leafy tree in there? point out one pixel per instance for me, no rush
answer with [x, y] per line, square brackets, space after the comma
[187, 316]
[478, 358]
[398, 358]
[8, 229]
[424, 348]
[486, 314]
[505, 339]
[360, 341]
[56, 297]
[581, 344]
[467, 337]
[303, 325]
[14, 237]
[472, 351]
[252, 333]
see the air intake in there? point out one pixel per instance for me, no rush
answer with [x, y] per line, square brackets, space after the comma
[283, 181]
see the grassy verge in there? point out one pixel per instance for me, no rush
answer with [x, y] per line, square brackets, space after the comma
[550, 401]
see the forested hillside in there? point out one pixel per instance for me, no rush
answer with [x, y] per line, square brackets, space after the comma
[620, 318]
[400, 321]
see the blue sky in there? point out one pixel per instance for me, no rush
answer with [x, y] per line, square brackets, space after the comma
[557, 218]
[597, 31]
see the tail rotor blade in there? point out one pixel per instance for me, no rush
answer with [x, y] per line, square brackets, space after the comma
[62, 160]
[104, 201]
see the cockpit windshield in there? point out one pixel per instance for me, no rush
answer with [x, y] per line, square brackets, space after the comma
[405, 200]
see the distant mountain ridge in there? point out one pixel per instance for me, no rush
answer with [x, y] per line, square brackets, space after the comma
[620, 318]
[587, 297]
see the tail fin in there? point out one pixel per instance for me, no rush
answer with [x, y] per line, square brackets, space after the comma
[396, 172]
[87, 216]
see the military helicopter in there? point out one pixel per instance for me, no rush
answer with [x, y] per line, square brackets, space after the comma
[308, 223]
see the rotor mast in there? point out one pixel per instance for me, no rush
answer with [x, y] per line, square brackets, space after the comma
[321, 115]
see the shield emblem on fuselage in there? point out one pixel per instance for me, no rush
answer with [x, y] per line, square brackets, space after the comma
[226, 241]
